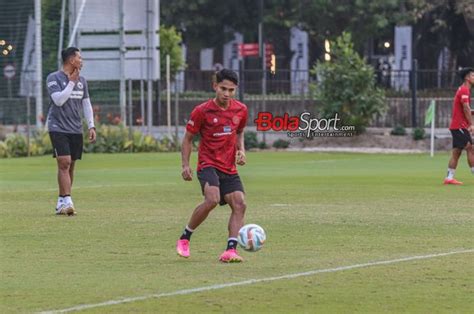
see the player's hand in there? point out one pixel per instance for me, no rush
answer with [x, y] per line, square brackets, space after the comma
[240, 158]
[92, 135]
[74, 76]
[187, 173]
[471, 129]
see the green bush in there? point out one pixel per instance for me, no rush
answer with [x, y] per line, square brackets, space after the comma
[16, 145]
[110, 139]
[398, 131]
[3, 150]
[281, 144]
[3, 133]
[143, 143]
[250, 140]
[347, 86]
[262, 145]
[41, 143]
[117, 139]
[418, 134]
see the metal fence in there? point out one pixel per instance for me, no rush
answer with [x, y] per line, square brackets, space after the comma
[197, 87]
[281, 82]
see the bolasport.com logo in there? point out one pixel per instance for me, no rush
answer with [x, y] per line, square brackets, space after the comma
[304, 125]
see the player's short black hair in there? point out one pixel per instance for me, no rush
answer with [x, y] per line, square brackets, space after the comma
[226, 74]
[68, 52]
[465, 71]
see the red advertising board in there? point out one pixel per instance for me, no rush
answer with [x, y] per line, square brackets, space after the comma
[249, 50]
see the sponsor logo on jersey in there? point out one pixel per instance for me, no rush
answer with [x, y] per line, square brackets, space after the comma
[77, 94]
[227, 131]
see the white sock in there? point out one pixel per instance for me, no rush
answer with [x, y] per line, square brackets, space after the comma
[68, 200]
[189, 229]
[472, 170]
[60, 201]
[450, 173]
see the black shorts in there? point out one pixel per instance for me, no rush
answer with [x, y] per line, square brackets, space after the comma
[66, 144]
[460, 138]
[227, 183]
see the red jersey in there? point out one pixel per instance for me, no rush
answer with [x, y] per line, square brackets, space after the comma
[218, 128]
[458, 120]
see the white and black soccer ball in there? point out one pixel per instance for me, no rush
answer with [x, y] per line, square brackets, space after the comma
[251, 237]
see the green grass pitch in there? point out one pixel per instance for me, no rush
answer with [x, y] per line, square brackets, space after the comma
[320, 211]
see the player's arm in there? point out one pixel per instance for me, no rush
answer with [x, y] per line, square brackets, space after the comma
[89, 117]
[60, 97]
[467, 111]
[241, 158]
[88, 112]
[186, 149]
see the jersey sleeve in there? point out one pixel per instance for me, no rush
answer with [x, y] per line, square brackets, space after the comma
[243, 121]
[195, 121]
[464, 95]
[52, 83]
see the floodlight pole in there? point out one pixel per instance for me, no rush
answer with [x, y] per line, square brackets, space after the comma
[76, 24]
[142, 103]
[414, 87]
[261, 45]
[149, 66]
[157, 52]
[176, 115]
[39, 66]
[168, 95]
[130, 110]
[61, 33]
[432, 135]
[122, 92]
[260, 28]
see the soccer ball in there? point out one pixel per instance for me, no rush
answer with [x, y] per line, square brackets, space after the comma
[251, 237]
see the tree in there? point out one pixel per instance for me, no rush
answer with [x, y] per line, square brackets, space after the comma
[170, 41]
[439, 24]
[347, 86]
[51, 17]
[323, 19]
[211, 23]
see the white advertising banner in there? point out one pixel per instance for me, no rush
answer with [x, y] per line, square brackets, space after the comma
[403, 58]
[299, 74]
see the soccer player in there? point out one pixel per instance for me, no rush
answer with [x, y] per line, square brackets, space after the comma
[220, 122]
[461, 126]
[69, 96]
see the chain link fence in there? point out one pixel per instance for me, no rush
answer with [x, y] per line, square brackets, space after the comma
[197, 88]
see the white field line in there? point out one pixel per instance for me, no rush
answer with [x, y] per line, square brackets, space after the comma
[97, 186]
[253, 281]
[365, 150]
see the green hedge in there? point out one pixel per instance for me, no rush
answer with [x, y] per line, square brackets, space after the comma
[15, 145]
[110, 139]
